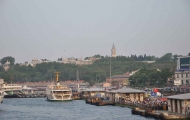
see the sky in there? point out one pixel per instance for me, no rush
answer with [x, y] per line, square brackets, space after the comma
[51, 29]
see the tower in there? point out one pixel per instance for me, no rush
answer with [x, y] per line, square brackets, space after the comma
[113, 51]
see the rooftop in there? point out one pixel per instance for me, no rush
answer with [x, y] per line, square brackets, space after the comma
[120, 76]
[127, 90]
[94, 89]
[180, 97]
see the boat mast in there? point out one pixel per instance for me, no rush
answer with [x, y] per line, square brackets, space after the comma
[189, 71]
[11, 79]
[57, 76]
[110, 72]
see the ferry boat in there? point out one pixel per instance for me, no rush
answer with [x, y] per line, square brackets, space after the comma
[57, 92]
[1, 96]
[1, 91]
[11, 90]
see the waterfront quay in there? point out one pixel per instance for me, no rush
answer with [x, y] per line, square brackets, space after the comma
[157, 107]
[166, 108]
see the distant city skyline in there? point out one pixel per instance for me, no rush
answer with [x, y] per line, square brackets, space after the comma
[59, 28]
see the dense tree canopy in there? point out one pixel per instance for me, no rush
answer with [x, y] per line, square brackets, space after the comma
[151, 78]
[95, 72]
[9, 58]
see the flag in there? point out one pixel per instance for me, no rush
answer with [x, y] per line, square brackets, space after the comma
[156, 90]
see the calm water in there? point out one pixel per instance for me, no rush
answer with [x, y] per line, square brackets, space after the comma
[40, 109]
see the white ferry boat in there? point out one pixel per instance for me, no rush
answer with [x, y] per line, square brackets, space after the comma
[57, 92]
[1, 96]
[1, 91]
[11, 90]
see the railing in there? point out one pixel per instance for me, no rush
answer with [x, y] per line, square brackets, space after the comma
[12, 88]
[151, 106]
[58, 88]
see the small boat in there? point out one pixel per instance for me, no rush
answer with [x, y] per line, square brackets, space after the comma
[57, 92]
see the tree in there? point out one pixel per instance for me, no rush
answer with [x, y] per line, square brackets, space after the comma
[1, 69]
[144, 56]
[165, 58]
[99, 69]
[151, 78]
[8, 58]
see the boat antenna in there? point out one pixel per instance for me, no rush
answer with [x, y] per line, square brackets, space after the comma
[11, 79]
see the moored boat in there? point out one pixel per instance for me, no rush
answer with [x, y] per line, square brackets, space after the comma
[57, 92]
[11, 90]
[1, 96]
[1, 91]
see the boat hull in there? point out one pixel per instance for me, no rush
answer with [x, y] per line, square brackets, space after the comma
[1, 99]
[1, 96]
[58, 93]
[11, 96]
[58, 99]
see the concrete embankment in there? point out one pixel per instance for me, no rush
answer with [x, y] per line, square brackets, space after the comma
[159, 114]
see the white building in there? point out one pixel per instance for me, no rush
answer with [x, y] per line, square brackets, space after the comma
[79, 61]
[179, 103]
[182, 78]
[182, 74]
[6, 65]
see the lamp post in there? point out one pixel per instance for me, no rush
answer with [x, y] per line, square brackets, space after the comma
[110, 72]
[110, 69]
[156, 83]
[163, 88]
[189, 69]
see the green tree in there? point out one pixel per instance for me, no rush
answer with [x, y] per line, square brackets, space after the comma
[8, 58]
[165, 58]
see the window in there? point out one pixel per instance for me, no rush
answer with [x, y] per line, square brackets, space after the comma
[186, 75]
[187, 82]
[182, 75]
[177, 75]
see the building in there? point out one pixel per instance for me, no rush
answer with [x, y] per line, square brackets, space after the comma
[79, 61]
[182, 74]
[182, 78]
[149, 61]
[6, 65]
[179, 103]
[90, 92]
[24, 64]
[113, 51]
[1, 81]
[128, 94]
[119, 80]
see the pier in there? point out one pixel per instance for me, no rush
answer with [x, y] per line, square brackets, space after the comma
[159, 114]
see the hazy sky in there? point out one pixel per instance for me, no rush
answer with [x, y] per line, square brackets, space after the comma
[51, 29]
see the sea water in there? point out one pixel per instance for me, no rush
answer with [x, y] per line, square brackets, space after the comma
[40, 109]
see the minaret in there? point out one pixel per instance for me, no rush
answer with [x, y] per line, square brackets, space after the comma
[113, 51]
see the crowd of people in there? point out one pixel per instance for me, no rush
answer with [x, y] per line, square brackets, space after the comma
[154, 103]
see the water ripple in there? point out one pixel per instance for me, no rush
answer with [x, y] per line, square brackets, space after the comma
[40, 109]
